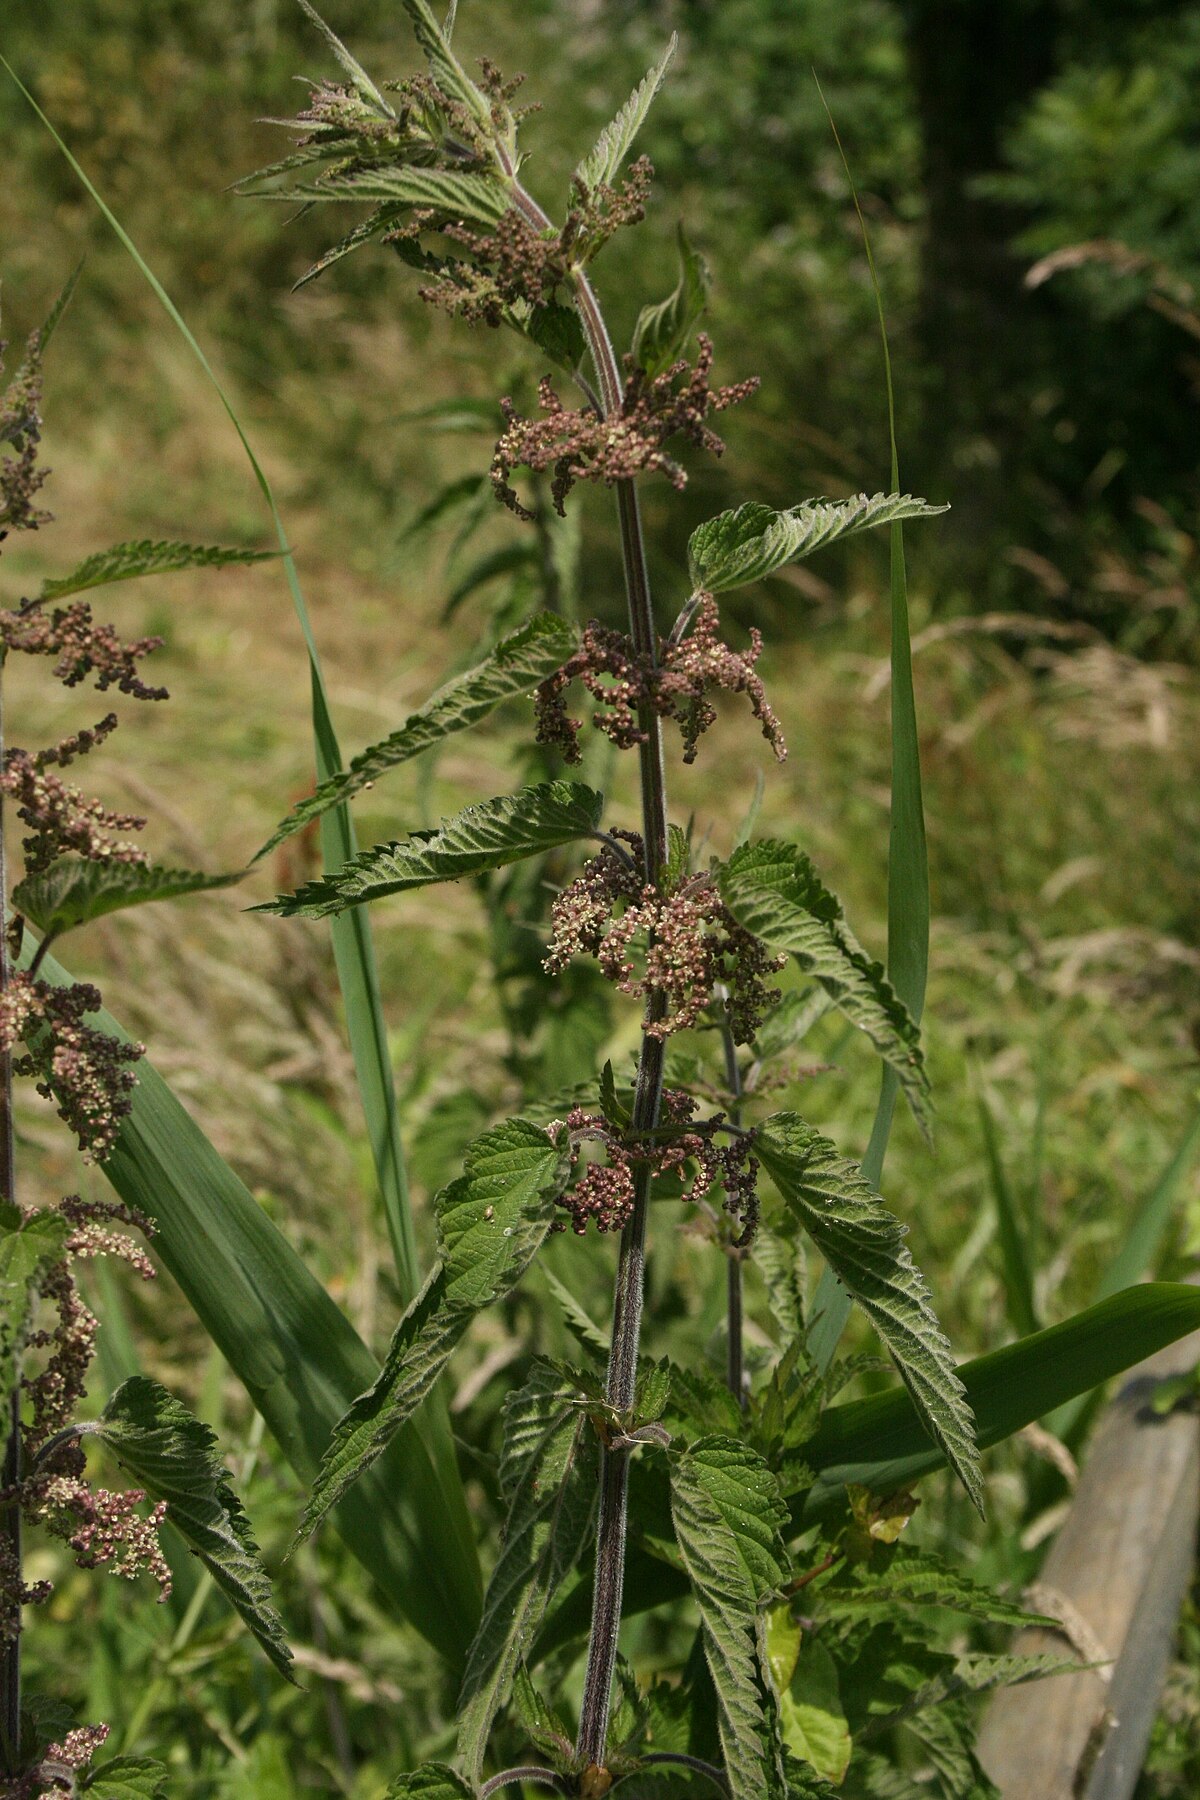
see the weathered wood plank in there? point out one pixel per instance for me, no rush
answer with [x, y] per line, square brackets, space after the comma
[1121, 1563]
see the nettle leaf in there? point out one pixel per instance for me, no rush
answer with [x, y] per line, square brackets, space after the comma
[728, 1515]
[790, 1022]
[450, 196]
[30, 1245]
[781, 1264]
[382, 219]
[73, 891]
[127, 1778]
[662, 332]
[577, 1320]
[812, 1720]
[484, 837]
[863, 1243]
[444, 66]
[174, 1457]
[432, 1781]
[491, 1222]
[516, 664]
[363, 85]
[557, 330]
[752, 541]
[552, 1503]
[605, 158]
[125, 562]
[915, 1578]
[773, 890]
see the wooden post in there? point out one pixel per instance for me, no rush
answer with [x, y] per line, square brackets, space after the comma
[1121, 1565]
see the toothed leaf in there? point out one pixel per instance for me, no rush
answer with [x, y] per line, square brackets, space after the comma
[754, 540]
[30, 1245]
[73, 891]
[124, 562]
[483, 837]
[662, 332]
[603, 161]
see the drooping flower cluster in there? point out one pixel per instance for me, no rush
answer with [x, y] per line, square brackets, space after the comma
[688, 944]
[676, 686]
[59, 1766]
[21, 427]
[82, 647]
[86, 1072]
[583, 445]
[604, 1193]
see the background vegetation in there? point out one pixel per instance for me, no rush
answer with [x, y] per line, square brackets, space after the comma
[1030, 177]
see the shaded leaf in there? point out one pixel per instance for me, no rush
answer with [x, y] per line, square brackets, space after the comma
[491, 1222]
[174, 1457]
[483, 837]
[30, 1245]
[917, 1578]
[662, 332]
[773, 890]
[516, 664]
[127, 1778]
[382, 219]
[73, 891]
[125, 562]
[727, 1515]
[603, 161]
[551, 1477]
[863, 1243]
[432, 1781]
[557, 330]
[752, 541]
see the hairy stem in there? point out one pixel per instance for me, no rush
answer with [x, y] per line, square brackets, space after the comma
[735, 1372]
[10, 1523]
[631, 1266]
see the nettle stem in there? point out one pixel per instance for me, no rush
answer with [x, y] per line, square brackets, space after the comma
[10, 1517]
[735, 1364]
[631, 1266]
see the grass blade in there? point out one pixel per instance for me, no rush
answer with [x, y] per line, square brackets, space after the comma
[908, 856]
[1018, 1275]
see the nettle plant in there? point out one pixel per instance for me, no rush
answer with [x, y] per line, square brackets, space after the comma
[81, 863]
[812, 1646]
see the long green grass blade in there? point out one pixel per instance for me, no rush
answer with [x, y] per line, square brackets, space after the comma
[297, 1354]
[908, 857]
[353, 947]
[1018, 1274]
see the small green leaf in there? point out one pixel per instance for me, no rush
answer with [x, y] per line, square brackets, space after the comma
[444, 66]
[127, 1778]
[863, 1243]
[432, 1781]
[362, 82]
[72, 891]
[662, 332]
[173, 1456]
[483, 837]
[382, 219]
[773, 890]
[811, 1717]
[918, 1578]
[754, 540]
[125, 562]
[491, 1222]
[549, 1520]
[728, 1515]
[30, 1245]
[577, 1320]
[602, 162]
[556, 330]
[451, 197]
[517, 664]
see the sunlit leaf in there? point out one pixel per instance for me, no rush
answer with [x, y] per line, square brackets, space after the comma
[73, 891]
[125, 562]
[450, 196]
[483, 837]
[603, 161]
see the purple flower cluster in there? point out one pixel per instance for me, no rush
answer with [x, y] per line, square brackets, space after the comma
[583, 445]
[604, 1193]
[677, 686]
[687, 941]
[85, 1072]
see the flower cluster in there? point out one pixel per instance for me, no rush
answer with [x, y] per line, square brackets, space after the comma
[675, 686]
[583, 445]
[604, 1194]
[85, 1072]
[82, 647]
[21, 427]
[62, 818]
[690, 944]
[517, 264]
[59, 1766]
